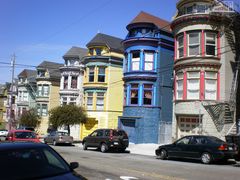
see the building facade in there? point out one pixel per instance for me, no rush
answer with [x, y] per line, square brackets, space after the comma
[26, 98]
[148, 66]
[48, 85]
[3, 103]
[71, 85]
[103, 85]
[204, 70]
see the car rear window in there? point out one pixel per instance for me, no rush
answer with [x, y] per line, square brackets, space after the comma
[25, 135]
[215, 139]
[119, 133]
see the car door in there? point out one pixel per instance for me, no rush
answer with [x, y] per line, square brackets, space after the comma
[99, 138]
[197, 145]
[179, 148]
[91, 138]
[51, 137]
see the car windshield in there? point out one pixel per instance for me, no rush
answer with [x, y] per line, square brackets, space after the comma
[62, 133]
[25, 135]
[32, 163]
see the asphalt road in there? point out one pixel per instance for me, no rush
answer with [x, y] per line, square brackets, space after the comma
[95, 165]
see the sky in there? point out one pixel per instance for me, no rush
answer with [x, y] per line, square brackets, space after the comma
[38, 30]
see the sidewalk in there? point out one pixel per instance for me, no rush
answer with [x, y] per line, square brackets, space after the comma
[142, 149]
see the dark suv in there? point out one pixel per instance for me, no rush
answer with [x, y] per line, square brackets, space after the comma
[106, 139]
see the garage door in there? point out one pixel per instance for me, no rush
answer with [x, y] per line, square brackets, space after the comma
[188, 126]
[88, 127]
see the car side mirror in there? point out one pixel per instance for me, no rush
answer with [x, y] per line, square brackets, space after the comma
[74, 165]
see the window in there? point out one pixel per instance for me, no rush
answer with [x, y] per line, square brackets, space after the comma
[180, 46]
[134, 94]
[193, 85]
[74, 82]
[64, 101]
[98, 51]
[147, 94]
[39, 109]
[210, 85]
[44, 110]
[90, 101]
[40, 89]
[211, 44]
[135, 60]
[45, 90]
[189, 10]
[91, 51]
[149, 59]
[65, 82]
[25, 96]
[193, 43]
[91, 74]
[179, 86]
[100, 101]
[101, 74]
[73, 101]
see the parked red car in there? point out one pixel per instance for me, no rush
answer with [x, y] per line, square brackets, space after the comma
[22, 135]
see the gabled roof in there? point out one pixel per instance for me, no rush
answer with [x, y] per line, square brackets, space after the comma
[112, 42]
[144, 17]
[75, 52]
[52, 67]
[26, 73]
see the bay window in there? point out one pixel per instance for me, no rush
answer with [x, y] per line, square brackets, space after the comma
[90, 101]
[180, 46]
[101, 74]
[135, 60]
[45, 90]
[91, 74]
[193, 43]
[134, 94]
[210, 44]
[193, 85]
[65, 82]
[148, 61]
[147, 94]
[179, 86]
[210, 85]
[40, 90]
[74, 82]
[100, 101]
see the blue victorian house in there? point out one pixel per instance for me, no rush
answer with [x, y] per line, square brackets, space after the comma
[148, 68]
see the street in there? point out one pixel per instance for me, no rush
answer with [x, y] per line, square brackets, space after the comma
[95, 165]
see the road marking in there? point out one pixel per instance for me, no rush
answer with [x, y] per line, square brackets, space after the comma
[127, 177]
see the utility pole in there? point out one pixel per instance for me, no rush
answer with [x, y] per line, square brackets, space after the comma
[11, 93]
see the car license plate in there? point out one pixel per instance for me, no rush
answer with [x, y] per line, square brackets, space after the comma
[115, 143]
[230, 148]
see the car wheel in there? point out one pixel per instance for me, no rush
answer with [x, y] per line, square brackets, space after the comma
[206, 158]
[54, 143]
[162, 154]
[103, 148]
[84, 146]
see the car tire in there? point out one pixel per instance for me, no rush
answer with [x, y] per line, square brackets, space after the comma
[54, 143]
[206, 158]
[84, 146]
[162, 154]
[103, 148]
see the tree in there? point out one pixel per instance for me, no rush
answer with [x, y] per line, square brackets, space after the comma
[30, 118]
[67, 115]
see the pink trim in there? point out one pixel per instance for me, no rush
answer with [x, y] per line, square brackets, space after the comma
[202, 85]
[175, 49]
[174, 88]
[185, 85]
[185, 44]
[203, 43]
[218, 45]
[218, 86]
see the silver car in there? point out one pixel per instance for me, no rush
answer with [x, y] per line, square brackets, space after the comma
[58, 137]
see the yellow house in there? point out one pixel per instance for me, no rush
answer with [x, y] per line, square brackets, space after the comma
[102, 84]
[48, 84]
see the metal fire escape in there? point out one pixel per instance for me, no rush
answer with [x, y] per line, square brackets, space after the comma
[224, 113]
